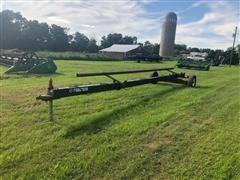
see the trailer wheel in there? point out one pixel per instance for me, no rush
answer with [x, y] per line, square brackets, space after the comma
[192, 81]
[153, 75]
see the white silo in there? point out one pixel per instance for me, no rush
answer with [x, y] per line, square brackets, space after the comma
[168, 35]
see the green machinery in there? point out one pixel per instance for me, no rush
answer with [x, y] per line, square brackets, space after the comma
[32, 64]
[193, 64]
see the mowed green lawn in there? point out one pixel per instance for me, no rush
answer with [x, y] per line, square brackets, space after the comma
[162, 131]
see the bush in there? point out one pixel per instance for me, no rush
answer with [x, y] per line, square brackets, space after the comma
[76, 56]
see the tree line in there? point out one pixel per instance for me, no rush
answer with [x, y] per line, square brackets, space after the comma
[30, 35]
[18, 32]
[181, 50]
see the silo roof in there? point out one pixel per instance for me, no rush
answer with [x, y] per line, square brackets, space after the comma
[171, 15]
[120, 48]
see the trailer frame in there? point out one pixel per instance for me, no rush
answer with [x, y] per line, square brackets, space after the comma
[57, 93]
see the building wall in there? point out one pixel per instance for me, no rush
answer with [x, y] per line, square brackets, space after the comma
[137, 52]
[115, 54]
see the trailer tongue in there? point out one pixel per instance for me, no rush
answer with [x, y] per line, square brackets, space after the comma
[57, 93]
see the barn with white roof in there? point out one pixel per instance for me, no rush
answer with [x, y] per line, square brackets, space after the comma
[125, 51]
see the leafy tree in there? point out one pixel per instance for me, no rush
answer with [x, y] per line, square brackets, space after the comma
[238, 52]
[117, 38]
[114, 38]
[148, 47]
[70, 38]
[180, 49]
[156, 48]
[111, 39]
[153, 49]
[17, 32]
[129, 40]
[104, 42]
[235, 56]
[92, 46]
[80, 42]
[11, 26]
[194, 49]
[34, 36]
[58, 38]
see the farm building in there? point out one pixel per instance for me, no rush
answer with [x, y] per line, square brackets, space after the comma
[125, 51]
[198, 56]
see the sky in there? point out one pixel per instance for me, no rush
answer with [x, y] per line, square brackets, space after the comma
[202, 23]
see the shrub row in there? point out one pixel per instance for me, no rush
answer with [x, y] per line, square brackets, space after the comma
[77, 56]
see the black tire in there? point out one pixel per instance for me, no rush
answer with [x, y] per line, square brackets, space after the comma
[192, 81]
[153, 75]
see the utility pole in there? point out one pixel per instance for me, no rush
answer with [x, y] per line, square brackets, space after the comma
[234, 39]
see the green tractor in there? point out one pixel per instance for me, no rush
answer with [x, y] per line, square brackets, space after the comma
[30, 63]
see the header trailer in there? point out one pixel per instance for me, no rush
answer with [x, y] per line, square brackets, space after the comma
[57, 93]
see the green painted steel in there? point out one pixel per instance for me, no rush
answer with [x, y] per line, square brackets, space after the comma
[30, 63]
[193, 64]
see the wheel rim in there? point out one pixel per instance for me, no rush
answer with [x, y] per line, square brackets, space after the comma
[194, 82]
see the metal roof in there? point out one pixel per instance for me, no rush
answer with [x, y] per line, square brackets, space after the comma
[120, 48]
[204, 54]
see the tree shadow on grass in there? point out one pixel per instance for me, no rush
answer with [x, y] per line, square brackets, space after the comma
[100, 121]
[43, 75]
[22, 75]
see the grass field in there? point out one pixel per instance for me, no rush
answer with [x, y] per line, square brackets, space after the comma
[162, 131]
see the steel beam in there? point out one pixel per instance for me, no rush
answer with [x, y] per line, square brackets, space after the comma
[122, 72]
[87, 89]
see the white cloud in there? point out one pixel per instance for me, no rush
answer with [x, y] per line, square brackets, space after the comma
[55, 19]
[214, 30]
[87, 26]
[1, 5]
[89, 17]
[96, 18]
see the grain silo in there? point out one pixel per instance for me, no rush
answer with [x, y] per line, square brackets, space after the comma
[168, 35]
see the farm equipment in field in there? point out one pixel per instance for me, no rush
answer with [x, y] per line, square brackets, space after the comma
[6, 61]
[193, 64]
[30, 63]
[57, 93]
[7, 57]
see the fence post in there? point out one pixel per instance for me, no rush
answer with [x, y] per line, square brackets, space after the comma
[50, 107]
